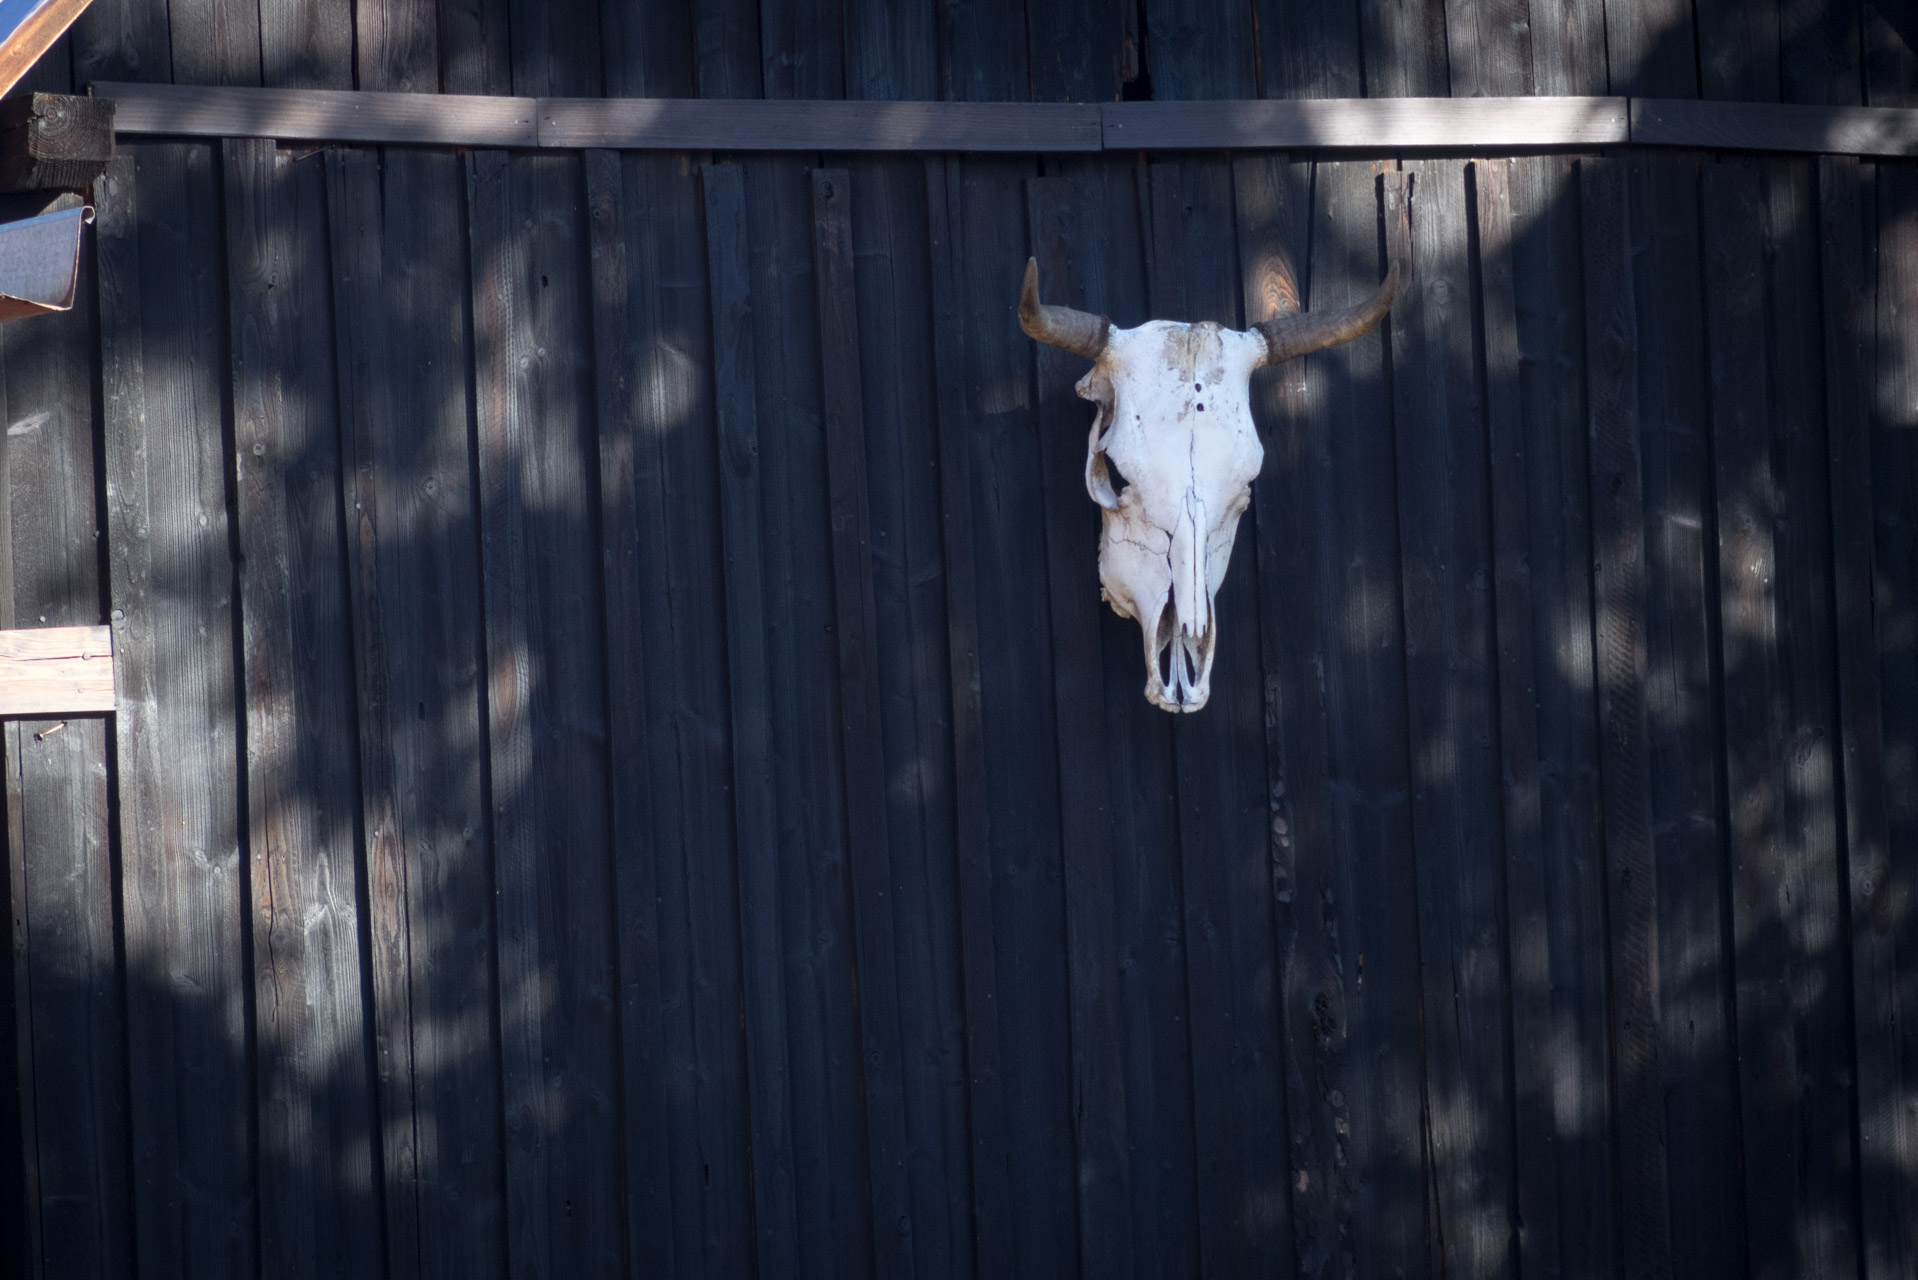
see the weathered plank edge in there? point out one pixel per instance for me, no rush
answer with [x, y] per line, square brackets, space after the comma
[1375, 125]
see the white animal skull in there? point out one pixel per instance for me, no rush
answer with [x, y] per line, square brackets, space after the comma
[1175, 420]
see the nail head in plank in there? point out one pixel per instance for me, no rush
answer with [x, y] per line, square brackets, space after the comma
[49, 671]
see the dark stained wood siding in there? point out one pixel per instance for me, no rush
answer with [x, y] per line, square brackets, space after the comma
[623, 768]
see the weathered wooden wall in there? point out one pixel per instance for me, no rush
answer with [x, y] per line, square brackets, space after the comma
[623, 768]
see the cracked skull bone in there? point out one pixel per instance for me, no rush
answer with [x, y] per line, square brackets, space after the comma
[1171, 461]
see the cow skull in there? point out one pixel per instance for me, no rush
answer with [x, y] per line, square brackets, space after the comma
[1174, 421]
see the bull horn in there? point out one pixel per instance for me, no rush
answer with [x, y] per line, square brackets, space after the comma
[1080, 332]
[1287, 337]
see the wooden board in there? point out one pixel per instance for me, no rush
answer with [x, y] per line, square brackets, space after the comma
[1743, 126]
[861, 745]
[1684, 734]
[987, 1134]
[53, 671]
[687, 1120]
[424, 119]
[1369, 124]
[1612, 347]
[1068, 226]
[177, 730]
[300, 701]
[403, 360]
[62, 924]
[768, 125]
[1565, 1133]
[749, 679]
[1887, 1023]
[545, 702]
[1445, 575]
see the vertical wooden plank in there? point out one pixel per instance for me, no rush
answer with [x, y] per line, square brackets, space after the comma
[1309, 49]
[313, 1092]
[1890, 54]
[1554, 909]
[1404, 48]
[476, 55]
[648, 50]
[861, 748]
[171, 591]
[72, 1103]
[1847, 224]
[545, 704]
[893, 281]
[1488, 48]
[214, 42]
[1784, 912]
[1738, 49]
[1697, 1032]
[1821, 54]
[1070, 239]
[1816, 1076]
[1651, 49]
[1019, 731]
[1568, 49]
[1223, 815]
[1273, 198]
[1078, 51]
[947, 236]
[726, 33]
[1149, 907]
[984, 54]
[396, 45]
[1356, 1121]
[556, 48]
[1446, 577]
[817, 876]
[644, 1129]
[688, 1189]
[891, 49]
[1887, 1118]
[308, 44]
[755, 806]
[1619, 598]
[1201, 50]
[121, 39]
[801, 53]
[403, 356]
[1528, 941]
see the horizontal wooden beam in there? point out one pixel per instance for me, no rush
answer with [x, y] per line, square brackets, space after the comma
[1381, 126]
[56, 671]
[1766, 126]
[1369, 124]
[744, 124]
[323, 115]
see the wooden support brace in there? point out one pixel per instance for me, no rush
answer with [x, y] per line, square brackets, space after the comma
[56, 671]
[53, 141]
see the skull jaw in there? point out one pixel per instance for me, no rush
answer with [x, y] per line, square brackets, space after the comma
[1178, 663]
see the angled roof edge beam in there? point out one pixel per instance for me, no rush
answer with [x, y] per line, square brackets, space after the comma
[28, 29]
